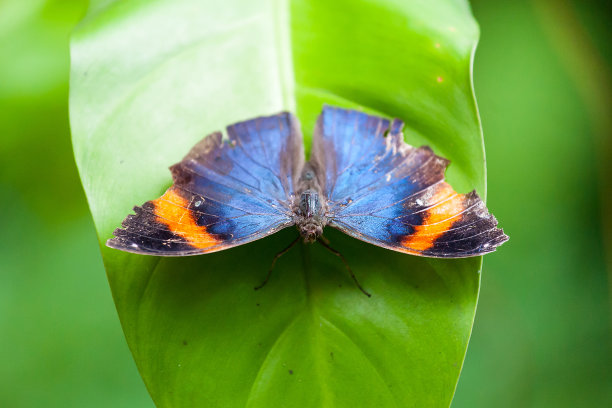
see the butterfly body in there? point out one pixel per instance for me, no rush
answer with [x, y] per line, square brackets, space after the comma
[310, 208]
[362, 178]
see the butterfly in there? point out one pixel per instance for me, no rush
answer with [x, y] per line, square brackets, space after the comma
[362, 178]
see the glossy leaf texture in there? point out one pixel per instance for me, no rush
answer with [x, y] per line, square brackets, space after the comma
[151, 78]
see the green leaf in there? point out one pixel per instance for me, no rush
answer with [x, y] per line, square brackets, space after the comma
[151, 78]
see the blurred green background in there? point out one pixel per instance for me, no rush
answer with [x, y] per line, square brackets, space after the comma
[542, 334]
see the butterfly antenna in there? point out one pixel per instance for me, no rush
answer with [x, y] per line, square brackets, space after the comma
[325, 243]
[278, 255]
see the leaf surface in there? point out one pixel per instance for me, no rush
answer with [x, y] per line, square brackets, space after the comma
[151, 78]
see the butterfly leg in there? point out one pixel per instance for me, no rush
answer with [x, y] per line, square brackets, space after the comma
[325, 243]
[278, 255]
[323, 239]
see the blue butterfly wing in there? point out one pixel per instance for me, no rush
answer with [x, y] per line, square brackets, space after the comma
[388, 193]
[225, 192]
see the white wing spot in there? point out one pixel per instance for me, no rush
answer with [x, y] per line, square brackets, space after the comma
[198, 203]
[419, 201]
[388, 177]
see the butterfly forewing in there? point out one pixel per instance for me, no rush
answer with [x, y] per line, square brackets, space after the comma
[225, 192]
[388, 193]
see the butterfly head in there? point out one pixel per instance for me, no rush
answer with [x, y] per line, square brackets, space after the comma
[310, 231]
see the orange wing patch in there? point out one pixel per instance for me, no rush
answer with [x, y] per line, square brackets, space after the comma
[447, 205]
[172, 210]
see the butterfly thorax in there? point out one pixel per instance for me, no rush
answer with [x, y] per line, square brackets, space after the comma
[308, 208]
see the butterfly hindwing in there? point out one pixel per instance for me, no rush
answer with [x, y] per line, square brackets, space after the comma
[225, 192]
[388, 193]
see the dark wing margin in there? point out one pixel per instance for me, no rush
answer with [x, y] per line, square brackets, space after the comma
[225, 192]
[388, 193]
